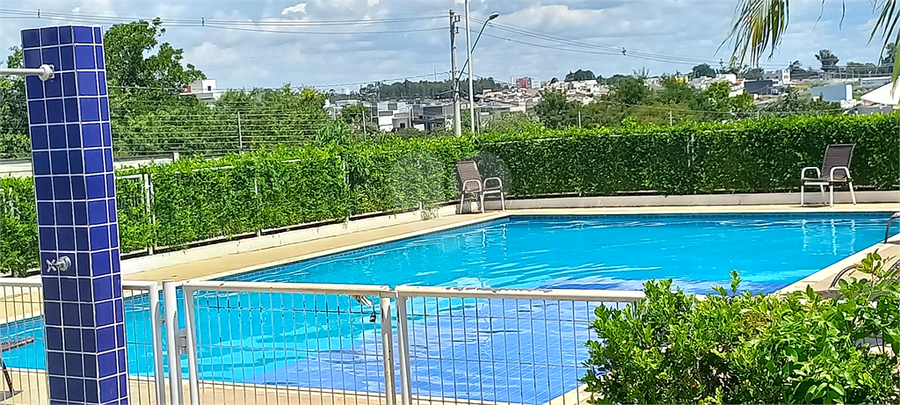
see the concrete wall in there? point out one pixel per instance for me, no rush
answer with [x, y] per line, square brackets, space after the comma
[812, 197]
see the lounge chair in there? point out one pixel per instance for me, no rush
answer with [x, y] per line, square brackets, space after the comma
[7, 346]
[472, 183]
[835, 169]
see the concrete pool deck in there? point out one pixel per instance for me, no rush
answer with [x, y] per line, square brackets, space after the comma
[235, 263]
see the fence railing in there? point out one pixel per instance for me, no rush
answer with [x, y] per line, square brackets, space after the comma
[22, 328]
[265, 343]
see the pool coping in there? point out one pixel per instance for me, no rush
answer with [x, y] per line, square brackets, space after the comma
[799, 285]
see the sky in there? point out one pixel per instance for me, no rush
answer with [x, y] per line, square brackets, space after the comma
[340, 44]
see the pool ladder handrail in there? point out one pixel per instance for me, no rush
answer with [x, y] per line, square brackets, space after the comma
[887, 232]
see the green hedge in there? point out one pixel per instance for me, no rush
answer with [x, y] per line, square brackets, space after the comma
[747, 156]
[195, 200]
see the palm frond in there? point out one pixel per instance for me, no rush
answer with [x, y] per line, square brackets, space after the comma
[887, 26]
[758, 25]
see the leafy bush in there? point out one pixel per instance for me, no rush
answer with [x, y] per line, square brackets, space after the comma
[739, 348]
[18, 233]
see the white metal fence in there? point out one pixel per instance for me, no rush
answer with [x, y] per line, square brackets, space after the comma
[274, 343]
[22, 327]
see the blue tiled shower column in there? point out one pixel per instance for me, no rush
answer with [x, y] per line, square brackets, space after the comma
[76, 211]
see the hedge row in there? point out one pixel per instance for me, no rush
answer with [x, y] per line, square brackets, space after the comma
[195, 200]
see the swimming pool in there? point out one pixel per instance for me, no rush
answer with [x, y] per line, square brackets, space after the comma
[286, 338]
[610, 252]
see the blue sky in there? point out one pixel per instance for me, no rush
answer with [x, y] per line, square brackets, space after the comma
[412, 39]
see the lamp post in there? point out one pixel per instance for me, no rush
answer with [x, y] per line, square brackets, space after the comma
[469, 49]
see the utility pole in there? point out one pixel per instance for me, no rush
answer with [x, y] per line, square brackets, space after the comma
[471, 79]
[457, 130]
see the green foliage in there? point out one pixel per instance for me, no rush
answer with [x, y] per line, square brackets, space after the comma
[703, 70]
[18, 226]
[739, 348]
[143, 73]
[555, 111]
[793, 103]
[14, 141]
[197, 199]
[747, 156]
[580, 75]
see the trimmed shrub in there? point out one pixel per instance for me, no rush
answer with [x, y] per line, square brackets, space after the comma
[737, 348]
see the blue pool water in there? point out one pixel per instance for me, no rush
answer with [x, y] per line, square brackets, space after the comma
[496, 350]
[601, 252]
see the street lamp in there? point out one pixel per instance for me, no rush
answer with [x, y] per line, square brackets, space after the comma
[469, 49]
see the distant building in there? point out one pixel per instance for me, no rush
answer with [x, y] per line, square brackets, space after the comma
[833, 93]
[524, 83]
[780, 77]
[204, 90]
[873, 82]
[762, 87]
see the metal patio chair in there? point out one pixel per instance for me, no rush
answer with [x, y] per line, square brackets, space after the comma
[472, 183]
[835, 170]
[5, 347]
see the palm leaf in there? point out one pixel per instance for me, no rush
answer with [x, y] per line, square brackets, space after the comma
[758, 25]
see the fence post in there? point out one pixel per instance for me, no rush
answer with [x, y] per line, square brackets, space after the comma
[403, 348]
[156, 321]
[387, 346]
[240, 134]
[191, 344]
[148, 196]
[170, 300]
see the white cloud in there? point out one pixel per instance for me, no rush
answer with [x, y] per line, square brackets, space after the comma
[299, 8]
[672, 34]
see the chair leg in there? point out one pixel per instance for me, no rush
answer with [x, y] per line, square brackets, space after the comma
[822, 190]
[831, 192]
[7, 377]
[852, 193]
[482, 203]
[502, 201]
[462, 198]
[801, 194]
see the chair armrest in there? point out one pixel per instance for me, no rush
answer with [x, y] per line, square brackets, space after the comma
[499, 182]
[480, 188]
[835, 169]
[803, 172]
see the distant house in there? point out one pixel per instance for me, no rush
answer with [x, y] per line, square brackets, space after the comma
[780, 77]
[203, 89]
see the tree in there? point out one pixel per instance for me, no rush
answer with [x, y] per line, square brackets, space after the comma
[555, 111]
[793, 103]
[14, 141]
[828, 60]
[141, 70]
[359, 119]
[580, 75]
[703, 70]
[760, 25]
[890, 50]
[630, 91]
